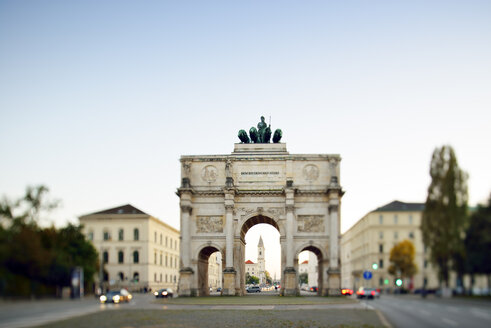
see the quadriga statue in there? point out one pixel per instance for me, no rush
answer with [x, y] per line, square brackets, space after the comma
[260, 135]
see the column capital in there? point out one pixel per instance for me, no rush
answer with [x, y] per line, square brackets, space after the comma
[186, 208]
[229, 207]
[290, 207]
[333, 208]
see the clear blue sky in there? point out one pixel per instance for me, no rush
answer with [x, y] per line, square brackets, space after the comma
[99, 99]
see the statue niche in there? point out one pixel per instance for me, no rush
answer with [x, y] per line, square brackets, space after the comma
[260, 135]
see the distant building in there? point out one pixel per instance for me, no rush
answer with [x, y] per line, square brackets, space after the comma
[258, 269]
[370, 240]
[137, 250]
[310, 267]
[215, 271]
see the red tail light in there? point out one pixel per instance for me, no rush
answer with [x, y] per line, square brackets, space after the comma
[373, 293]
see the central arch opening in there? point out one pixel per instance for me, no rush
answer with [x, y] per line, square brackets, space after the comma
[262, 264]
[310, 269]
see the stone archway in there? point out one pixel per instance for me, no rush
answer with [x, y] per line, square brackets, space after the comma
[247, 224]
[203, 257]
[322, 262]
[222, 196]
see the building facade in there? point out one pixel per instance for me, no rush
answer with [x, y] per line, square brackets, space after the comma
[370, 240]
[215, 271]
[137, 250]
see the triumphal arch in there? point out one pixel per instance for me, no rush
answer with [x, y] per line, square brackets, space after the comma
[223, 196]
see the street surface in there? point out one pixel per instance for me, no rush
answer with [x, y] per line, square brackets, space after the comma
[408, 311]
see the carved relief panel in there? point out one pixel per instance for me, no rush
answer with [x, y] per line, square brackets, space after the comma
[310, 223]
[205, 224]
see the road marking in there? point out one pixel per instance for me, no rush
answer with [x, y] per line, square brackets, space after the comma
[479, 313]
[424, 312]
[450, 322]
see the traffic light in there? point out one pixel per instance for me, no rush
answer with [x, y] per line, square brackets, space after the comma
[374, 266]
[398, 282]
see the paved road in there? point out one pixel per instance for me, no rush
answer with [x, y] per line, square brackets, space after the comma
[410, 311]
[32, 313]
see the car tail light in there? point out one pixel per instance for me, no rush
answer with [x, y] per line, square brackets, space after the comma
[373, 293]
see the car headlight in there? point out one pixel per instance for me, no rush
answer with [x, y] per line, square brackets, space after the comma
[164, 293]
[130, 296]
[156, 293]
[116, 298]
[103, 298]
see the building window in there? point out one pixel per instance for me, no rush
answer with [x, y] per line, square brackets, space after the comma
[155, 277]
[171, 243]
[160, 239]
[136, 257]
[121, 234]
[165, 241]
[136, 277]
[381, 263]
[381, 248]
[175, 244]
[380, 281]
[120, 257]
[411, 235]
[174, 279]
[105, 257]
[136, 234]
[175, 262]
[121, 276]
[396, 235]
[410, 219]
[155, 237]
[90, 235]
[106, 235]
[381, 219]
[395, 219]
[160, 277]
[166, 260]
[160, 259]
[155, 257]
[381, 235]
[165, 277]
[425, 264]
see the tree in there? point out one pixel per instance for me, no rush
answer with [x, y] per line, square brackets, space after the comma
[402, 260]
[303, 278]
[478, 242]
[35, 260]
[444, 217]
[251, 280]
[269, 280]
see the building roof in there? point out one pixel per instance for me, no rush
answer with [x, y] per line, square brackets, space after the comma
[125, 209]
[305, 262]
[260, 244]
[249, 262]
[397, 206]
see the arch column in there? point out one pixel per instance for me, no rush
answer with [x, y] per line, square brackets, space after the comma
[186, 273]
[290, 274]
[229, 273]
[334, 272]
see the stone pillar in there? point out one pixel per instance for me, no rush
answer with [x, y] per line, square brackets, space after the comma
[229, 273]
[186, 273]
[185, 236]
[290, 273]
[334, 272]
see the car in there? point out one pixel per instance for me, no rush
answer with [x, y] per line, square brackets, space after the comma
[219, 289]
[369, 293]
[346, 291]
[313, 289]
[254, 289]
[164, 293]
[116, 296]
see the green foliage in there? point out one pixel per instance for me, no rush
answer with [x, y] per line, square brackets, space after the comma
[478, 240]
[402, 260]
[303, 278]
[251, 280]
[269, 280]
[445, 215]
[35, 260]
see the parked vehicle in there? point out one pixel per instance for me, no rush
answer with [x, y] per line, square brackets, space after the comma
[164, 293]
[313, 289]
[254, 289]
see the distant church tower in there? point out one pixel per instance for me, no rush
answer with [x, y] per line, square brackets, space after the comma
[261, 264]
